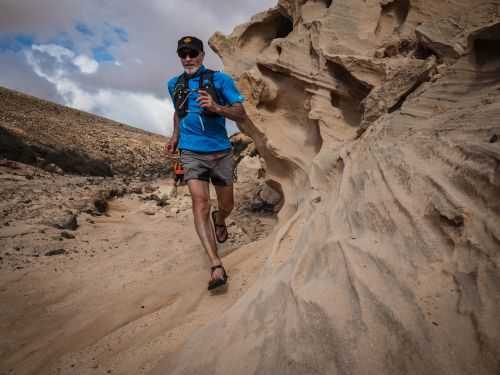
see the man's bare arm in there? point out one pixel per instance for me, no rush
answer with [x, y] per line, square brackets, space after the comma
[175, 133]
[234, 112]
[171, 146]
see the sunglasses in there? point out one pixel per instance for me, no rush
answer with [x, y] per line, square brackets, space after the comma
[190, 53]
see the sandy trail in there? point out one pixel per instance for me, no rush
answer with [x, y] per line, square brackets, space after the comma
[132, 301]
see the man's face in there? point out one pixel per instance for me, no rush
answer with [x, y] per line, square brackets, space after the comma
[191, 60]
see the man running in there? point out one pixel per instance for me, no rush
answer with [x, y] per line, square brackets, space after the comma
[203, 99]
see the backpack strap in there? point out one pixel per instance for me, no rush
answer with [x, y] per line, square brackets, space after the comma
[217, 93]
[181, 91]
[210, 87]
[180, 94]
[180, 83]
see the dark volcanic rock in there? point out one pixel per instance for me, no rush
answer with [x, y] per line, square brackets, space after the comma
[136, 190]
[55, 252]
[150, 189]
[67, 235]
[101, 205]
[69, 222]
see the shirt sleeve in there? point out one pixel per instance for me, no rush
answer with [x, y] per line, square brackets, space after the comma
[229, 89]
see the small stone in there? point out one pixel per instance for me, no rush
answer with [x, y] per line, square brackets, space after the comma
[137, 190]
[163, 201]
[149, 211]
[66, 222]
[152, 197]
[101, 205]
[150, 188]
[67, 235]
[55, 252]
[52, 168]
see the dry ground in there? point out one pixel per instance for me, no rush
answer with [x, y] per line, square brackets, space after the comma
[129, 289]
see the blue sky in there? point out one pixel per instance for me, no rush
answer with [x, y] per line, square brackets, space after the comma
[113, 57]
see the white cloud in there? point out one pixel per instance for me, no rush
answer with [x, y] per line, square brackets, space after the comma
[141, 110]
[86, 64]
[63, 55]
[54, 50]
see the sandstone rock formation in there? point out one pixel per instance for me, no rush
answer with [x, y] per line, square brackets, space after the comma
[379, 119]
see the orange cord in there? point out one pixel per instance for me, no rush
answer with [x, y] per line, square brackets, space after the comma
[178, 168]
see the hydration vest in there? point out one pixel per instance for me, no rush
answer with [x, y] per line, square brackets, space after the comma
[182, 92]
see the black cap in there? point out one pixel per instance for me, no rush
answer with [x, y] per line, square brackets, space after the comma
[190, 42]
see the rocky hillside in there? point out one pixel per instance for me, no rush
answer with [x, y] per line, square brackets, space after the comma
[379, 119]
[57, 163]
[61, 139]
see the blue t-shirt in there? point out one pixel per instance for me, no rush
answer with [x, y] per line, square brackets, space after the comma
[201, 133]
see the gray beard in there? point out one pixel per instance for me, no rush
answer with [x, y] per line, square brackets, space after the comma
[191, 71]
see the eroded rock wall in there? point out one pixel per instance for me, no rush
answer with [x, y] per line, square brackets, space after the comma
[379, 119]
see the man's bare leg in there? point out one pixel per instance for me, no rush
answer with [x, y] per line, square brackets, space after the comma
[225, 198]
[200, 196]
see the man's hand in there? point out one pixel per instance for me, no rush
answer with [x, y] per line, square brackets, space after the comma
[171, 146]
[206, 102]
[234, 112]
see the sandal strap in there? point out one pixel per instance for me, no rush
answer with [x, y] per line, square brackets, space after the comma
[223, 226]
[213, 268]
[215, 223]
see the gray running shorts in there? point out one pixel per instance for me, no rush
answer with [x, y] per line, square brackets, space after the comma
[217, 167]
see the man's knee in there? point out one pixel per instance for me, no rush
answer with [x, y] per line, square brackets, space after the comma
[201, 205]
